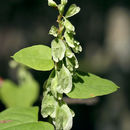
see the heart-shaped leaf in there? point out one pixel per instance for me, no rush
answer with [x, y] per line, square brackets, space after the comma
[23, 95]
[22, 119]
[90, 85]
[37, 57]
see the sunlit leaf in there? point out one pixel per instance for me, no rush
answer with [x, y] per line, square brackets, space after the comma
[64, 2]
[73, 9]
[61, 8]
[64, 80]
[89, 86]
[58, 49]
[22, 119]
[52, 3]
[22, 95]
[64, 118]
[48, 106]
[37, 57]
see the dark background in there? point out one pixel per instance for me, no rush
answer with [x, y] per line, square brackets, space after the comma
[103, 29]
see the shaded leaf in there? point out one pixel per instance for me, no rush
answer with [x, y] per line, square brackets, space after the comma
[53, 31]
[47, 84]
[69, 27]
[69, 39]
[68, 52]
[77, 48]
[72, 63]
[90, 85]
[54, 85]
[37, 57]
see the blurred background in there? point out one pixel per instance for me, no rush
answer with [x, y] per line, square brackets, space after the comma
[103, 29]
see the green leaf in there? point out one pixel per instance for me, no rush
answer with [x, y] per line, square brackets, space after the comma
[64, 118]
[54, 84]
[69, 27]
[53, 31]
[58, 49]
[22, 119]
[73, 9]
[68, 52]
[77, 48]
[47, 84]
[23, 95]
[90, 85]
[64, 80]
[37, 57]
[48, 106]
[69, 39]
[64, 2]
[52, 3]
[61, 8]
[72, 63]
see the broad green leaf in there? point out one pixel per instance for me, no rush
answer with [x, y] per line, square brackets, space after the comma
[90, 85]
[73, 9]
[58, 49]
[69, 27]
[37, 57]
[52, 3]
[64, 80]
[64, 2]
[64, 118]
[53, 31]
[69, 39]
[48, 106]
[22, 95]
[22, 119]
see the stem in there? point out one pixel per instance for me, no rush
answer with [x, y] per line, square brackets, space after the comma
[61, 28]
